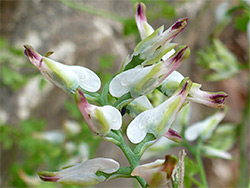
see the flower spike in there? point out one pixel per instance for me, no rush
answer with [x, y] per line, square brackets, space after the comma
[82, 174]
[66, 77]
[100, 120]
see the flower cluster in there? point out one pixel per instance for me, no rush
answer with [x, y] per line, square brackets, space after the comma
[152, 66]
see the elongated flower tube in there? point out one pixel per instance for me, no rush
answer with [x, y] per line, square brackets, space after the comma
[82, 174]
[142, 80]
[100, 120]
[157, 173]
[205, 128]
[212, 99]
[141, 21]
[66, 77]
[158, 120]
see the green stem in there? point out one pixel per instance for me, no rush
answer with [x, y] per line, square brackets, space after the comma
[133, 159]
[200, 164]
[243, 147]
[196, 153]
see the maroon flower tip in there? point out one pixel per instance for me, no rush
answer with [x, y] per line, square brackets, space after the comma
[180, 54]
[29, 52]
[51, 179]
[184, 87]
[179, 23]
[174, 133]
[219, 98]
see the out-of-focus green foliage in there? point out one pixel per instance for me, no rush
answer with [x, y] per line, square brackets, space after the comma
[219, 59]
[12, 61]
[192, 170]
[242, 17]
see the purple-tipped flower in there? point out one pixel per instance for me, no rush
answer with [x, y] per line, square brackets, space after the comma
[100, 120]
[157, 121]
[159, 40]
[157, 173]
[141, 21]
[66, 77]
[212, 99]
[142, 80]
[82, 174]
[173, 135]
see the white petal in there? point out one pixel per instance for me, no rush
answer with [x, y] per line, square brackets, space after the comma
[137, 129]
[60, 75]
[168, 55]
[213, 152]
[85, 174]
[113, 116]
[88, 80]
[121, 83]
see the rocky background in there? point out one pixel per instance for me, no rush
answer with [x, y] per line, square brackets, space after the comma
[81, 38]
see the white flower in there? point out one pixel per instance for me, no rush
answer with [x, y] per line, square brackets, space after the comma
[142, 80]
[157, 173]
[212, 99]
[99, 119]
[158, 120]
[66, 77]
[82, 174]
[205, 128]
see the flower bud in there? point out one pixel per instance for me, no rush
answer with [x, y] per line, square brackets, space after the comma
[141, 21]
[212, 99]
[99, 119]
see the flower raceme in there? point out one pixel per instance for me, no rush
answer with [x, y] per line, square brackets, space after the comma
[100, 120]
[66, 77]
[82, 174]
[157, 173]
[142, 80]
[157, 121]
[212, 99]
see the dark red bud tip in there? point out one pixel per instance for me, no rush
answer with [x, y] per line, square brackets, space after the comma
[48, 176]
[180, 54]
[219, 98]
[180, 23]
[174, 133]
[140, 11]
[51, 179]
[29, 52]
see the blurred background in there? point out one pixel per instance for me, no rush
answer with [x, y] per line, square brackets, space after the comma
[41, 127]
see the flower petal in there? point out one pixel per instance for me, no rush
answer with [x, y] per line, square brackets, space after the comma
[88, 80]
